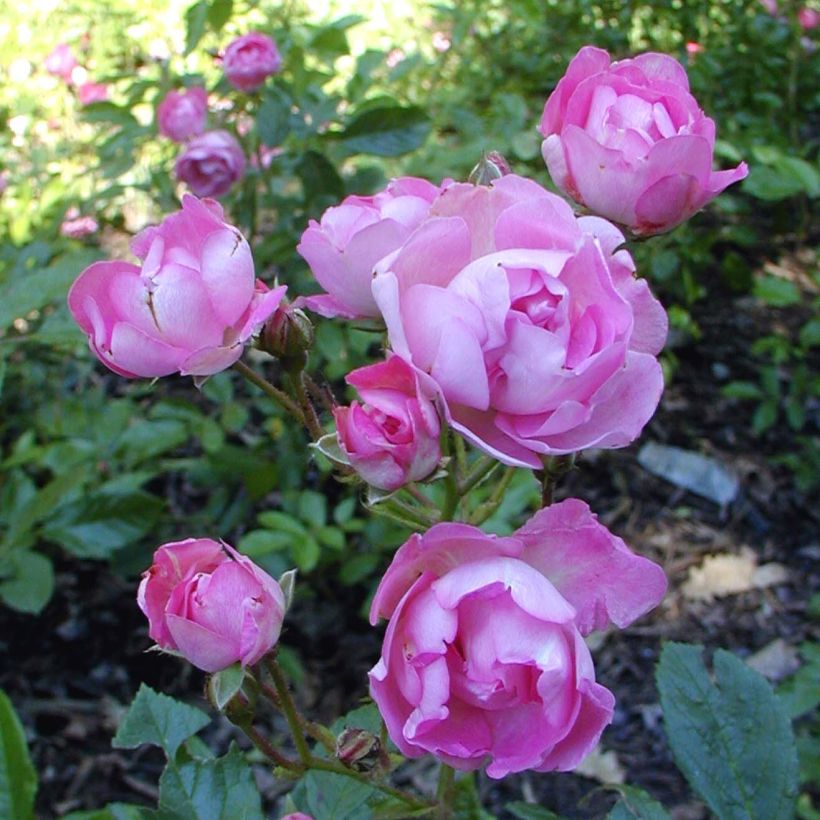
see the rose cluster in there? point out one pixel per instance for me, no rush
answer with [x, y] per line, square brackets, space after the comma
[509, 321]
[212, 162]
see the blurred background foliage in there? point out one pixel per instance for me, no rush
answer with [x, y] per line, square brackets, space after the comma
[95, 467]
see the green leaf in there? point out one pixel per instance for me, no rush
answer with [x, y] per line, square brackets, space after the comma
[636, 804]
[772, 184]
[157, 719]
[741, 390]
[273, 118]
[195, 19]
[800, 694]
[223, 685]
[529, 811]
[31, 583]
[329, 796]
[99, 524]
[387, 131]
[319, 177]
[18, 779]
[219, 12]
[764, 417]
[305, 551]
[810, 333]
[144, 440]
[219, 789]
[113, 811]
[262, 542]
[731, 738]
[466, 802]
[39, 288]
[775, 291]
[312, 508]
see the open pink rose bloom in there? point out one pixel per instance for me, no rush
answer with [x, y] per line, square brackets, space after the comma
[353, 236]
[211, 163]
[249, 60]
[628, 141]
[526, 320]
[393, 437]
[182, 114]
[189, 308]
[211, 604]
[484, 662]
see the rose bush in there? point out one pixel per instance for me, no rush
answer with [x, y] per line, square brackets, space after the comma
[629, 141]
[182, 114]
[211, 163]
[484, 661]
[249, 60]
[528, 321]
[393, 437]
[190, 307]
[353, 236]
[211, 604]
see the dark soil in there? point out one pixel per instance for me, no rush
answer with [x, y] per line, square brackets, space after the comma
[72, 670]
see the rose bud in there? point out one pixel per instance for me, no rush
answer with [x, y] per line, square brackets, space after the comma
[61, 62]
[182, 114]
[189, 308]
[484, 662]
[249, 60]
[352, 237]
[211, 604]
[360, 750]
[628, 141]
[527, 321]
[287, 335]
[392, 438]
[211, 163]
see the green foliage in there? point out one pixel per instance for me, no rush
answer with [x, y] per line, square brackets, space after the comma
[636, 804]
[529, 811]
[731, 737]
[330, 796]
[18, 779]
[216, 789]
[159, 720]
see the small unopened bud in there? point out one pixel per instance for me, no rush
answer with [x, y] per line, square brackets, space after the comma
[490, 167]
[360, 750]
[288, 335]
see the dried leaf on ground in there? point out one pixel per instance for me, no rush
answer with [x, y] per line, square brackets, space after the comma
[730, 574]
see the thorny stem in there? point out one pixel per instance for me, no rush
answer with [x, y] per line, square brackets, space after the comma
[288, 708]
[419, 495]
[554, 468]
[483, 511]
[482, 468]
[321, 394]
[402, 513]
[268, 749]
[314, 730]
[444, 791]
[311, 420]
[279, 396]
[451, 494]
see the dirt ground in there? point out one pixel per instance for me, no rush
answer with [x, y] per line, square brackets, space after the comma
[73, 669]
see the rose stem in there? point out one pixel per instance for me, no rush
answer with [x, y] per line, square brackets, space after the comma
[279, 396]
[444, 791]
[288, 708]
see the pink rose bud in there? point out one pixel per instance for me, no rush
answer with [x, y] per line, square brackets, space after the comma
[393, 437]
[61, 62]
[211, 604]
[190, 307]
[808, 18]
[352, 237]
[89, 93]
[628, 141]
[182, 114]
[211, 163]
[770, 6]
[249, 60]
[526, 320]
[75, 226]
[484, 662]
[296, 815]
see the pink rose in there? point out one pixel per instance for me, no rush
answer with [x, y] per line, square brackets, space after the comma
[484, 661]
[61, 62]
[808, 18]
[89, 93]
[352, 237]
[211, 163]
[75, 226]
[628, 141]
[182, 114]
[249, 60]
[211, 604]
[297, 815]
[393, 437]
[770, 6]
[190, 307]
[527, 320]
